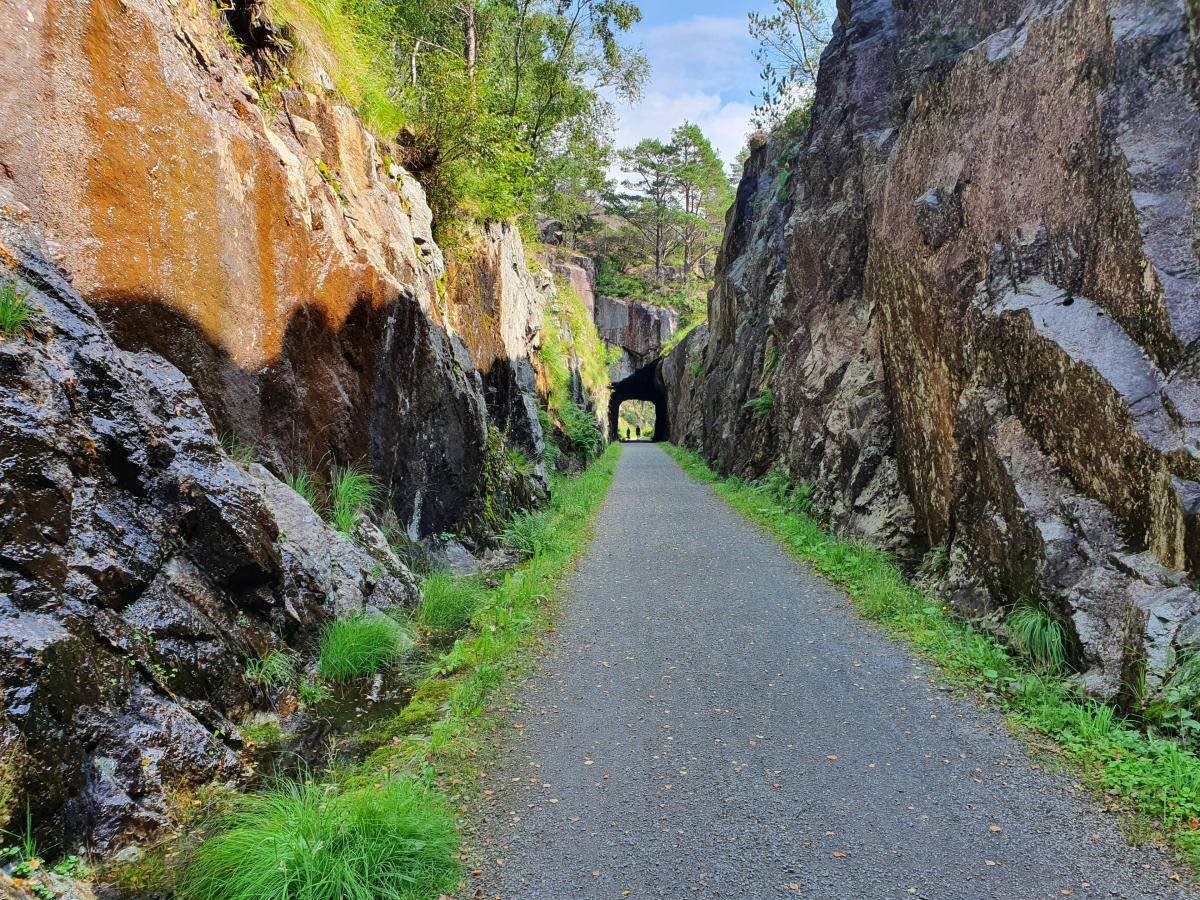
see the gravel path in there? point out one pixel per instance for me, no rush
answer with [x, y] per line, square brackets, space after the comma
[713, 721]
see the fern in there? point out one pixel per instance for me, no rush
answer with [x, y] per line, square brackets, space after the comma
[761, 405]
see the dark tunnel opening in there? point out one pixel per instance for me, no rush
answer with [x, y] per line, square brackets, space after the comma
[644, 384]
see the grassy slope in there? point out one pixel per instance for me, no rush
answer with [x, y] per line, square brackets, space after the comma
[1156, 783]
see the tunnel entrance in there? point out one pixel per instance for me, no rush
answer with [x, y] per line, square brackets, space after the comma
[643, 384]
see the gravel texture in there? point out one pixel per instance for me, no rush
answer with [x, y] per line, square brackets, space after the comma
[713, 721]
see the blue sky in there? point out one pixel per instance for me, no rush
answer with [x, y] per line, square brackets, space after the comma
[703, 71]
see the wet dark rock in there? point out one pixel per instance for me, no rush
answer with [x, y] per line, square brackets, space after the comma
[975, 310]
[139, 569]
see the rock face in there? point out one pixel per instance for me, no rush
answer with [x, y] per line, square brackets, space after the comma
[970, 288]
[139, 569]
[639, 330]
[262, 242]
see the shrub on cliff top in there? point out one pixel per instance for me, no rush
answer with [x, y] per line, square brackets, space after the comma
[321, 842]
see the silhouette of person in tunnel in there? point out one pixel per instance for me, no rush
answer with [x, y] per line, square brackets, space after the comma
[639, 432]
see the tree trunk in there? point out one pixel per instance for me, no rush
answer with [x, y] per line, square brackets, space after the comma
[470, 38]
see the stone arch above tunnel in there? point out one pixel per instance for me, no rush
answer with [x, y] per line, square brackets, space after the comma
[644, 384]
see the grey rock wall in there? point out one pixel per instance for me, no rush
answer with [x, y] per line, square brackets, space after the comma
[970, 288]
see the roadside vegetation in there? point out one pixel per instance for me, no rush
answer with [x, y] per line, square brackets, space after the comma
[569, 325]
[1136, 764]
[355, 646]
[379, 823]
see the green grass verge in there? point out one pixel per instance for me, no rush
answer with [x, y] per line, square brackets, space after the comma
[1156, 780]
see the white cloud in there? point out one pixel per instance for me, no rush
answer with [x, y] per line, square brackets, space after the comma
[703, 72]
[726, 123]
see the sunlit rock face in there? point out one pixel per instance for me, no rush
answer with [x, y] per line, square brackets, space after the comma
[971, 289]
[140, 568]
[266, 245]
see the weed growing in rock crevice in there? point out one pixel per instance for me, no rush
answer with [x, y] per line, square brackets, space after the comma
[1039, 636]
[351, 494]
[273, 669]
[761, 405]
[14, 311]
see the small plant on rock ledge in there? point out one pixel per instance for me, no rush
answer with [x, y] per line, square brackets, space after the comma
[761, 405]
[14, 311]
[350, 495]
[236, 449]
[272, 670]
[303, 484]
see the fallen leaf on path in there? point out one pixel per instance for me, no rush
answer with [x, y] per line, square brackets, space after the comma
[831, 757]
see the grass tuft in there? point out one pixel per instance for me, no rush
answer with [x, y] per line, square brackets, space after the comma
[1038, 635]
[272, 670]
[351, 494]
[532, 533]
[14, 311]
[449, 602]
[320, 842]
[312, 692]
[235, 448]
[361, 645]
[303, 484]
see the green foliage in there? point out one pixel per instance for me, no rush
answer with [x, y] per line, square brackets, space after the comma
[351, 494]
[581, 430]
[794, 496]
[674, 201]
[361, 645]
[274, 669]
[312, 692]
[1038, 635]
[236, 449]
[346, 39]
[518, 462]
[1176, 711]
[761, 405]
[449, 602]
[14, 311]
[531, 532]
[795, 123]
[552, 451]
[323, 842]
[303, 484]
[568, 319]
[499, 107]
[790, 40]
